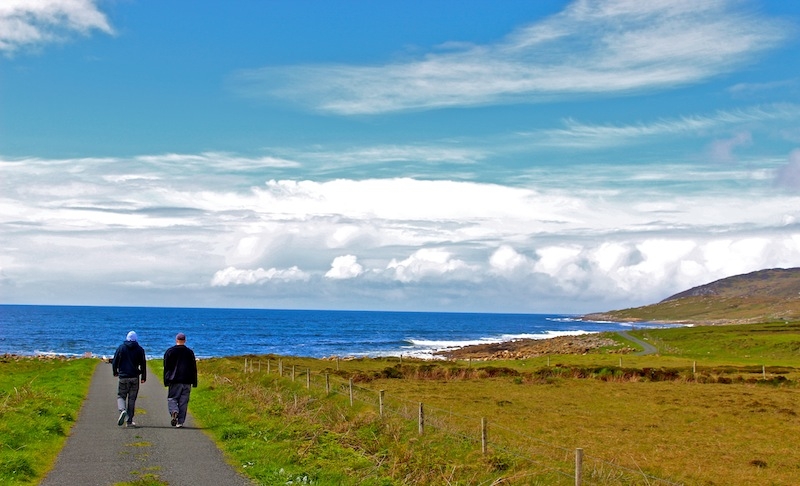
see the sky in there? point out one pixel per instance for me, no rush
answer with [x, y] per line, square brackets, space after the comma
[457, 155]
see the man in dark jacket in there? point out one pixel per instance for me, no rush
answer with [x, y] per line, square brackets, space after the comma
[180, 375]
[129, 364]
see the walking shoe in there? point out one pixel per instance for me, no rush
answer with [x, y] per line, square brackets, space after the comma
[174, 420]
[130, 424]
[122, 416]
[179, 425]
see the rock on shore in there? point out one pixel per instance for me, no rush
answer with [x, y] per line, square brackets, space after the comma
[532, 348]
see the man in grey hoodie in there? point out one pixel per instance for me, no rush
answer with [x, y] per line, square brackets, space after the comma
[129, 364]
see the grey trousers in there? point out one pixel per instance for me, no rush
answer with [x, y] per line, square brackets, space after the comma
[178, 399]
[127, 392]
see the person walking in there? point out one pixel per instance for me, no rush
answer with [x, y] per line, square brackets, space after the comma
[130, 365]
[180, 376]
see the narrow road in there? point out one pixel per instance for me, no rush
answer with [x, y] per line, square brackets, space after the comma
[647, 348]
[100, 453]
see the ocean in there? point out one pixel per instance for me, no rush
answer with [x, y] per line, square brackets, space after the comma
[75, 330]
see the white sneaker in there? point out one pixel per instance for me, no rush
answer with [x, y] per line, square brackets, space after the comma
[179, 425]
[130, 424]
[122, 416]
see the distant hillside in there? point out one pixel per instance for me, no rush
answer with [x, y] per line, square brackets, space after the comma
[765, 295]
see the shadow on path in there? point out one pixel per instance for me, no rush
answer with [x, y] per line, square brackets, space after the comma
[98, 452]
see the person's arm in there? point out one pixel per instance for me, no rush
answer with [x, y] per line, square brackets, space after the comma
[115, 363]
[144, 366]
[194, 371]
[167, 366]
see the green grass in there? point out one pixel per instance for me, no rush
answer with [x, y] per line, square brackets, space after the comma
[278, 432]
[773, 344]
[652, 418]
[39, 402]
[717, 405]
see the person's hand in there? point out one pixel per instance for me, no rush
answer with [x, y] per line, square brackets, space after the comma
[143, 380]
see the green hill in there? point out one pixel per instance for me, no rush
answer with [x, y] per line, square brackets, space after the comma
[762, 296]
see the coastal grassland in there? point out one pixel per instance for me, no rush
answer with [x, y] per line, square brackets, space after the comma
[638, 419]
[278, 432]
[772, 343]
[39, 401]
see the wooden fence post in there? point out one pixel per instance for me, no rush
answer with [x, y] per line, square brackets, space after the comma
[245, 365]
[351, 392]
[421, 419]
[327, 383]
[484, 435]
[578, 466]
[380, 402]
[308, 378]
[269, 366]
[292, 372]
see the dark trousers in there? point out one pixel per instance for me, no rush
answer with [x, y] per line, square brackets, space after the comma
[178, 399]
[126, 396]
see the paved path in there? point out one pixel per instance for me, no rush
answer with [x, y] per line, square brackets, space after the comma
[647, 348]
[98, 452]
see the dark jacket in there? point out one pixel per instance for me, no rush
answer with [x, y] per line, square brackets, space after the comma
[180, 366]
[129, 361]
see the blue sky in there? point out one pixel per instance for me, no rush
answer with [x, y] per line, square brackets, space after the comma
[482, 156]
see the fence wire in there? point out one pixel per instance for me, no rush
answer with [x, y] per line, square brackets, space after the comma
[546, 458]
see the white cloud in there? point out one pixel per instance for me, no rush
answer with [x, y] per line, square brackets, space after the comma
[426, 263]
[217, 160]
[576, 135]
[615, 46]
[36, 22]
[345, 267]
[236, 276]
[566, 242]
[505, 260]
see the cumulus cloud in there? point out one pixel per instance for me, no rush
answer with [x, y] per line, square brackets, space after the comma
[590, 48]
[426, 263]
[137, 227]
[505, 260]
[344, 267]
[237, 276]
[26, 23]
[789, 175]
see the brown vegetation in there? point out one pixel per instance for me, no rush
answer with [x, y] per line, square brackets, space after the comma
[532, 348]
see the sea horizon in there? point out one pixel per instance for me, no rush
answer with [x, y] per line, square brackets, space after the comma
[78, 330]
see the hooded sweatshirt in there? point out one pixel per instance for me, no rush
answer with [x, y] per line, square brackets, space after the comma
[129, 361]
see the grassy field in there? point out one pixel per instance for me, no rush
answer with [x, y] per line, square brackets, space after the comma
[718, 406]
[39, 401]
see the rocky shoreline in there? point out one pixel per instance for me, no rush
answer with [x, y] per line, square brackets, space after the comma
[532, 348]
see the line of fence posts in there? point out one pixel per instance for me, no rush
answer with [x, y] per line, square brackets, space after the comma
[484, 431]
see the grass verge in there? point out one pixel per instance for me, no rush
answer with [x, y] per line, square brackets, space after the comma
[39, 402]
